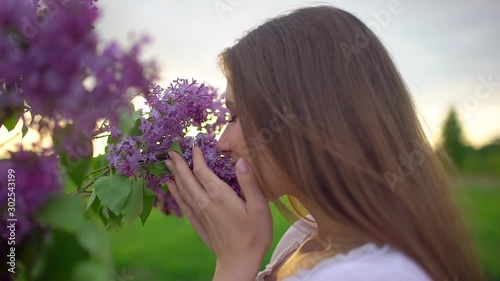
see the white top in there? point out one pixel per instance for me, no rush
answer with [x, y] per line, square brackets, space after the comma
[366, 263]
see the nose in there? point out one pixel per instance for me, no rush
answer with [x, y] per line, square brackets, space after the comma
[223, 143]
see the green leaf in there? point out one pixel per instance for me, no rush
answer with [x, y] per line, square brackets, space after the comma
[165, 187]
[76, 168]
[148, 192]
[69, 185]
[93, 206]
[77, 165]
[11, 122]
[149, 198]
[128, 120]
[90, 271]
[133, 207]
[103, 214]
[158, 168]
[24, 130]
[34, 257]
[113, 191]
[99, 161]
[114, 221]
[95, 240]
[63, 255]
[64, 212]
[21, 271]
[129, 124]
[136, 114]
[91, 201]
[113, 141]
[88, 238]
[175, 146]
[135, 128]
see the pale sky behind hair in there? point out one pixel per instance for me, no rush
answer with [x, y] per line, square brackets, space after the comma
[446, 50]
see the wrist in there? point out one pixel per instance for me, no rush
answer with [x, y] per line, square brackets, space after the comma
[246, 270]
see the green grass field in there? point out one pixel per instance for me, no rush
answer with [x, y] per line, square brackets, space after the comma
[168, 249]
[480, 201]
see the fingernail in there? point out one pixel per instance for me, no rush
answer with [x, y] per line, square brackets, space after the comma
[169, 164]
[242, 165]
[169, 153]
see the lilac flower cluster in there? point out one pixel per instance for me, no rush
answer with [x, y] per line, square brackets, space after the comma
[36, 179]
[173, 112]
[48, 49]
[175, 109]
[218, 162]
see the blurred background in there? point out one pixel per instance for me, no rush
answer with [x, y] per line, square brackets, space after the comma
[447, 52]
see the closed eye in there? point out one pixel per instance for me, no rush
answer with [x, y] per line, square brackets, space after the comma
[233, 119]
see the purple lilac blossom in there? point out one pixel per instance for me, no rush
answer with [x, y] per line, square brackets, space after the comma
[173, 111]
[36, 179]
[126, 156]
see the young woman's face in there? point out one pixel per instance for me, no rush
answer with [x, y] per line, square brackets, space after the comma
[232, 143]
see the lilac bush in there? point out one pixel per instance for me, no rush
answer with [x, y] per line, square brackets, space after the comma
[36, 179]
[48, 49]
[54, 66]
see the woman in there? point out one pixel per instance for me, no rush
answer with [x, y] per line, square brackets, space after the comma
[321, 114]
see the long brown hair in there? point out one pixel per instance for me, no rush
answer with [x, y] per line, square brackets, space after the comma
[355, 147]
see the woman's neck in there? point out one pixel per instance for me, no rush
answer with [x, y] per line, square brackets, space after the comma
[331, 233]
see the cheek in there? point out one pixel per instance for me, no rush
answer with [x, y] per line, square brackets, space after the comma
[277, 184]
[276, 187]
[237, 142]
[236, 135]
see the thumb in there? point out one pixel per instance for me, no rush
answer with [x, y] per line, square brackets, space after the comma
[249, 186]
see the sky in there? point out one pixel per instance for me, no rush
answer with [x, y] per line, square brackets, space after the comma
[447, 51]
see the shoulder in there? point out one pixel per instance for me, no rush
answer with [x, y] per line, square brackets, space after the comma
[288, 243]
[293, 237]
[368, 262]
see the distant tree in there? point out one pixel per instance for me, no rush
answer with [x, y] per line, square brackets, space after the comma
[452, 137]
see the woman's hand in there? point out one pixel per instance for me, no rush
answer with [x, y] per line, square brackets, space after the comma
[238, 231]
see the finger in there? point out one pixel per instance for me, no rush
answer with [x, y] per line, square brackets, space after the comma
[255, 200]
[209, 180]
[179, 199]
[190, 187]
[193, 217]
[180, 188]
